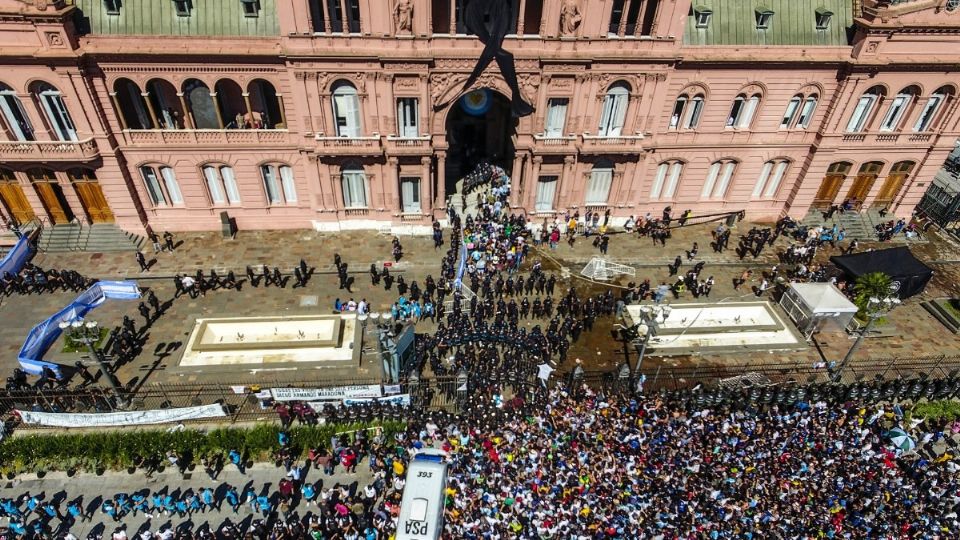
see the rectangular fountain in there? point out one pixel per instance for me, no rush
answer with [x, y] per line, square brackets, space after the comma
[719, 328]
[253, 341]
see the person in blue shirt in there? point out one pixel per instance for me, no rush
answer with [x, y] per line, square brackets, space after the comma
[140, 504]
[122, 501]
[32, 504]
[309, 492]
[206, 497]
[233, 499]
[237, 459]
[283, 439]
[195, 504]
[158, 502]
[110, 509]
[75, 512]
[181, 506]
[263, 502]
[251, 498]
[51, 511]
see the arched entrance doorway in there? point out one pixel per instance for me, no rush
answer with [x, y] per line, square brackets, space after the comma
[479, 128]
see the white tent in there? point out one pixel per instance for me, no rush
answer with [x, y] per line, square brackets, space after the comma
[811, 305]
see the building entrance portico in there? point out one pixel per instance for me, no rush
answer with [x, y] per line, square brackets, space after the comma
[479, 128]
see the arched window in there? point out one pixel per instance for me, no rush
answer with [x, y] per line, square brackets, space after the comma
[232, 105]
[346, 110]
[742, 111]
[55, 111]
[15, 119]
[896, 178]
[666, 180]
[806, 114]
[166, 103]
[864, 109]
[614, 110]
[221, 184]
[354, 183]
[598, 187]
[678, 107]
[201, 105]
[718, 179]
[267, 106]
[928, 116]
[898, 109]
[133, 109]
[791, 113]
[771, 176]
[278, 184]
[624, 17]
[162, 186]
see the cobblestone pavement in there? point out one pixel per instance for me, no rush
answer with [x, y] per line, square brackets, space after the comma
[93, 489]
[910, 332]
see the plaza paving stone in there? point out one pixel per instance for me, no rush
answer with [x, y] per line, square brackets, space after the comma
[914, 332]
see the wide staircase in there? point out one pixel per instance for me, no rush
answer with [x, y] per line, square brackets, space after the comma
[858, 225]
[100, 237]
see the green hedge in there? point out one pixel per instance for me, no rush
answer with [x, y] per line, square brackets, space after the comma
[944, 409]
[116, 449]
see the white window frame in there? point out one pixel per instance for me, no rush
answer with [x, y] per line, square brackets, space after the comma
[353, 183]
[410, 196]
[702, 18]
[11, 106]
[279, 187]
[51, 100]
[694, 112]
[791, 113]
[598, 186]
[679, 106]
[771, 176]
[748, 111]
[861, 113]
[546, 193]
[162, 186]
[408, 117]
[614, 112]
[346, 111]
[899, 105]
[929, 112]
[221, 185]
[806, 113]
[665, 182]
[556, 117]
[719, 170]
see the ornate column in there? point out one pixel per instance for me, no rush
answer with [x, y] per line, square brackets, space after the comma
[441, 196]
[187, 113]
[116, 106]
[535, 178]
[425, 176]
[246, 101]
[344, 17]
[387, 189]
[566, 174]
[320, 118]
[216, 107]
[622, 27]
[153, 114]
[516, 181]
[326, 16]
[453, 17]
[523, 8]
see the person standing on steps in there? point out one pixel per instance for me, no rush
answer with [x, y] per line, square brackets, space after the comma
[142, 261]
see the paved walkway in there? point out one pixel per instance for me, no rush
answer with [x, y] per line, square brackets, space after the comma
[914, 331]
[93, 489]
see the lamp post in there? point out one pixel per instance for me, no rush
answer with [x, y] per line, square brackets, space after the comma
[89, 334]
[651, 317]
[386, 346]
[876, 308]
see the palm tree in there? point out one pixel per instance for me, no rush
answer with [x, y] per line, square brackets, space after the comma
[867, 286]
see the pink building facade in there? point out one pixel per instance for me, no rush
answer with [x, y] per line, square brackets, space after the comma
[326, 114]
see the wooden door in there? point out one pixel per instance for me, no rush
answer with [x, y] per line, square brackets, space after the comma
[866, 177]
[894, 182]
[13, 198]
[51, 195]
[828, 190]
[91, 195]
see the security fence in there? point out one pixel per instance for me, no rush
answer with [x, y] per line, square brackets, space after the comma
[245, 403]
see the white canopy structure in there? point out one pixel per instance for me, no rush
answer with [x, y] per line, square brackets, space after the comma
[811, 305]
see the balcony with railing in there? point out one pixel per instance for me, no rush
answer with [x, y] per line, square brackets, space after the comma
[350, 146]
[408, 146]
[620, 144]
[48, 150]
[201, 137]
[555, 144]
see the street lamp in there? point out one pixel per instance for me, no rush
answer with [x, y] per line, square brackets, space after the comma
[875, 309]
[89, 334]
[651, 317]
